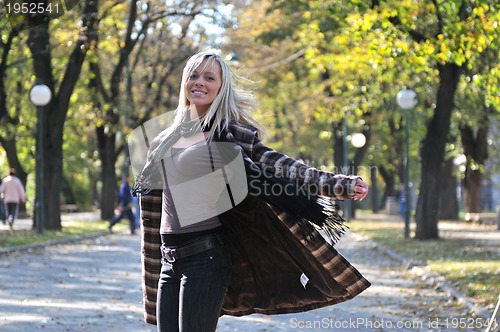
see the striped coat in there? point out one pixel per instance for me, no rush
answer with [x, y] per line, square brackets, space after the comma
[274, 269]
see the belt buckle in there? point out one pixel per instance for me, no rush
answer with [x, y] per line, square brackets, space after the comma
[169, 254]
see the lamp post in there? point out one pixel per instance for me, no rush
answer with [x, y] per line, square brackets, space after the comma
[345, 157]
[407, 100]
[40, 96]
[358, 140]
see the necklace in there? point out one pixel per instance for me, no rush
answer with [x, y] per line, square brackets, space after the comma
[190, 127]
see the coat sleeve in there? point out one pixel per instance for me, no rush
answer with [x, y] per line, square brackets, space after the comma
[314, 180]
[151, 208]
[21, 192]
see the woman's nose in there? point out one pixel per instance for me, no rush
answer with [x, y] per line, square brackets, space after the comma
[199, 82]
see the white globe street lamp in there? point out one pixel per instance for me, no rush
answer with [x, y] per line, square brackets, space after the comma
[407, 100]
[358, 140]
[40, 96]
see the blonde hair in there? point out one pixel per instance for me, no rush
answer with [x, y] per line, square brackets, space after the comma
[231, 103]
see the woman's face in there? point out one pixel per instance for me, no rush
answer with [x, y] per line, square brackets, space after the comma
[203, 85]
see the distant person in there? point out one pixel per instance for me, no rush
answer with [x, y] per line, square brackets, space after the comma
[13, 193]
[124, 206]
[137, 210]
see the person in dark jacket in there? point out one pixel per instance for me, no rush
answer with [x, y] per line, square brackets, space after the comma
[233, 222]
[124, 206]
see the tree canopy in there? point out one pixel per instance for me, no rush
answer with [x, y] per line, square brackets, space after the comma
[359, 54]
[322, 70]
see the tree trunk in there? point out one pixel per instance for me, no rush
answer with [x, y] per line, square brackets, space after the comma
[472, 190]
[7, 43]
[390, 182]
[52, 123]
[448, 195]
[107, 154]
[9, 142]
[432, 153]
[476, 152]
[38, 42]
[106, 133]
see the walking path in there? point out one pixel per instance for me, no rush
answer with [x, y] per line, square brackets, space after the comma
[95, 285]
[27, 223]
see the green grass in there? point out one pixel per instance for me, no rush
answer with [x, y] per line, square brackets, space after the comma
[469, 265]
[69, 228]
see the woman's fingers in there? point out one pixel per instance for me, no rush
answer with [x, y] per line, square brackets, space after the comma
[360, 190]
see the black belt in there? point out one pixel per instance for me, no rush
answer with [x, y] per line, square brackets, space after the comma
[203, 244]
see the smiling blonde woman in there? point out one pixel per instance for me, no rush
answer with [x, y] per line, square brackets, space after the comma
[230, 226]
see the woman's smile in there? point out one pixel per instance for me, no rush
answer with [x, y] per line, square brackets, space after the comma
[203, 86]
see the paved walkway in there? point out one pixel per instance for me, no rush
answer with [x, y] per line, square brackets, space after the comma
[27, 223]
[95, 285]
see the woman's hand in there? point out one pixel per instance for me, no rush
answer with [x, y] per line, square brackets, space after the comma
[360, 190]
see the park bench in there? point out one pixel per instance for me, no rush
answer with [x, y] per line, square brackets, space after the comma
[69, 208]
[483, 218]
